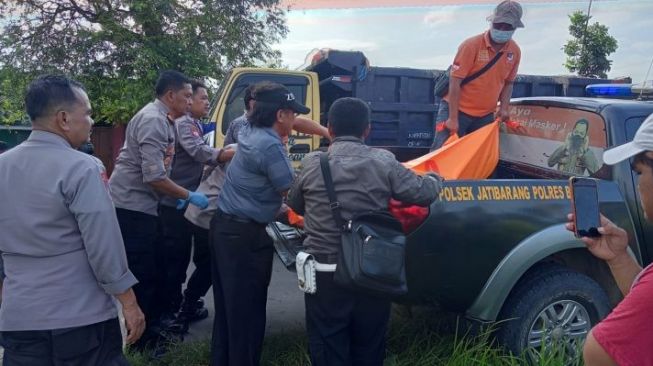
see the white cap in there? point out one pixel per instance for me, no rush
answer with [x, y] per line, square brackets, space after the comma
[643, 141]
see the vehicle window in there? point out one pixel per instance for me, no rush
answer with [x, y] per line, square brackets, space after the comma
[567, 141]
[235, 106]
[632, 125]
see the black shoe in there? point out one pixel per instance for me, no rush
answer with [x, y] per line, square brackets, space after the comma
[155, 342]
[170, 323]
[158, 351]
[165, 339]
[192, 311]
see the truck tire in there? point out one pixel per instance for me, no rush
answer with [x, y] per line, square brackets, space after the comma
[550, 308]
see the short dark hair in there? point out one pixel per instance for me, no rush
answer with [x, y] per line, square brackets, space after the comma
[48, 92]
[197, 84]
[349, 117]
[170, 80]
[248, 96]
[263, 114]
[641, 158]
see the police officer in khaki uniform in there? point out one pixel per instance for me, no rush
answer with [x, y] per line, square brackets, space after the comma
[138, 182]
[347, 327]
[61, 246]
[192, 153]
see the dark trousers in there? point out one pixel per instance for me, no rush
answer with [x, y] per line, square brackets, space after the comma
[200, 281]
[139, 233]
[242, 266]
[345, 328]
[97, 344]
[466, 124]
[178, 236]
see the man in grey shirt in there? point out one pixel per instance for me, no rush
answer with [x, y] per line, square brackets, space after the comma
[179, 235]
[231, 137]
[61, 246]
[345, 327]
[139, 180]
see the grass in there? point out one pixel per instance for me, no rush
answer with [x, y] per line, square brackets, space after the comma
[420, 338]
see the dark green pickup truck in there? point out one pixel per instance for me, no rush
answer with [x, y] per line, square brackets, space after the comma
[497, 249]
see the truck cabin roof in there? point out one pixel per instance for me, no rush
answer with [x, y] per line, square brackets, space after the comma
[596, 105]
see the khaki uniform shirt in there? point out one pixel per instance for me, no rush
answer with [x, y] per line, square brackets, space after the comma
[364, 178]
[61, 245]
[191, 154]
[145, 157]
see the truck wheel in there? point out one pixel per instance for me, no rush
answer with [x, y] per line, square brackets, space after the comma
[551, 309]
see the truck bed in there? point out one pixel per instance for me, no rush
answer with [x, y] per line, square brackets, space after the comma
[470, 229]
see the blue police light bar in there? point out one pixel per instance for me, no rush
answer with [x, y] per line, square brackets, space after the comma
[609, 90]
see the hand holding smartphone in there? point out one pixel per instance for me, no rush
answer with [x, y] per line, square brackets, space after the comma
[585, 206]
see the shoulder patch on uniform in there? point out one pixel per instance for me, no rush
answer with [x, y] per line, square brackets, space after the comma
[101, 169]
[195, 131]
[105, 179]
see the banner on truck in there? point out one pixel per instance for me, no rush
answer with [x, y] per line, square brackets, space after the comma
[569, 141]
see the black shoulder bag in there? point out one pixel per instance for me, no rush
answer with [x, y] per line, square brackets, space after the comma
[442, 81]
[372, 252]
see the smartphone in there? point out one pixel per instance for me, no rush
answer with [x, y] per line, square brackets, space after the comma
[585, 205]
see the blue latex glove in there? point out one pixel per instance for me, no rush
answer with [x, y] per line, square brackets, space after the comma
[196, 198]
[182, 204]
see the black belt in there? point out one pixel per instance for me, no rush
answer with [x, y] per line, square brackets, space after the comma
[234, 218]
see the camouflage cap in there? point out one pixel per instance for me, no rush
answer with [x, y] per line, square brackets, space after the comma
[509, 12]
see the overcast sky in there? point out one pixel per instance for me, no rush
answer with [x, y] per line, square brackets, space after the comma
[427, 36]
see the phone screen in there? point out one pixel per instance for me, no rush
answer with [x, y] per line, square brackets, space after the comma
[586, 207]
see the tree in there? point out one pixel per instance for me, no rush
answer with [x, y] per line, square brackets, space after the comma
[587, 52]
[12, 110]
[117, 47]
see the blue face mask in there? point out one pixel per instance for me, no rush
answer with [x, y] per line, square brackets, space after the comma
[501, 36]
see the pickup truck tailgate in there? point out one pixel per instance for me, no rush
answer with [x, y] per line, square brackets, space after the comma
[287, 242]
